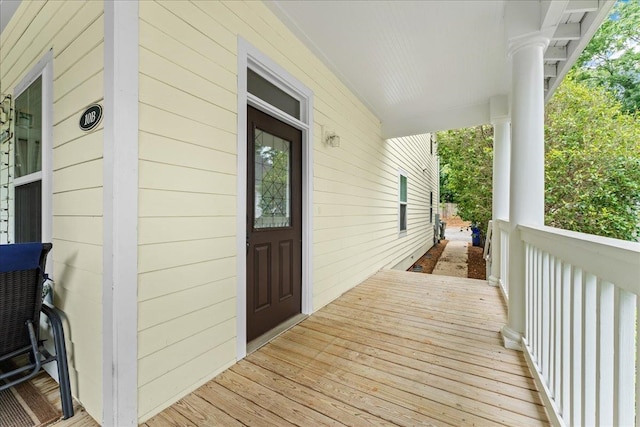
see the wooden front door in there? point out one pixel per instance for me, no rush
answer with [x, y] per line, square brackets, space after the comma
[274, 222]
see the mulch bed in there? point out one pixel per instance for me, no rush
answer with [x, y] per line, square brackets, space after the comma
[428, 261]
[477, 266]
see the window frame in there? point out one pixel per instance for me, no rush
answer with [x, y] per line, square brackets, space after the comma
[431, 207]
[403, 203]
[44, 70]
[33, 176]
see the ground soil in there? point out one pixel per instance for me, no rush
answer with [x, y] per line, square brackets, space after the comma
[456, 221]
[476, 264]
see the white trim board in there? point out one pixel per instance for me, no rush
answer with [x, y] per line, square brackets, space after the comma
[120, 214]
[249, 56]
[43, 68]
[402, 233]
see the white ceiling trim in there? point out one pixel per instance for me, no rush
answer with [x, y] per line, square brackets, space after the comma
[595, 12]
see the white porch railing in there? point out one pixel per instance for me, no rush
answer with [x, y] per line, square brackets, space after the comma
[582, 308]
[503, 229]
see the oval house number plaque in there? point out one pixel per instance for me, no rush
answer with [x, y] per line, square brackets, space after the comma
[91, 117]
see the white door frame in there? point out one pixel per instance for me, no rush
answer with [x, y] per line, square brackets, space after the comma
[250, 57]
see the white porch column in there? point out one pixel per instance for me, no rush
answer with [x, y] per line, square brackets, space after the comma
[526, 201]
[501, 148]
[120, 216]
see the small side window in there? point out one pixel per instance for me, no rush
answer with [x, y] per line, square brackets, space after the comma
[431, 207]
[268, 92]
[403, 202]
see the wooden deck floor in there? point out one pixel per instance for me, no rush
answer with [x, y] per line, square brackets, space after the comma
[400, 349]
[49, 388]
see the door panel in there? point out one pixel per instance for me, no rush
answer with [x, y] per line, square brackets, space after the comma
[286, 270]
[262, 276]
[274, 222]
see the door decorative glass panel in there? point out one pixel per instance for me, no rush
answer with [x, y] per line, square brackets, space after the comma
[272, 208]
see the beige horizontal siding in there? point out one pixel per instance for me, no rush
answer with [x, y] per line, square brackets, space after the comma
[357, 207]
[74, 31]
[188, 126]
[160, 283]
[83, 149]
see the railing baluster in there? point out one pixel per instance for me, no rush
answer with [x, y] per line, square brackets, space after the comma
[544, 325]
[534, 302]
[618, 345]
[534, 314]
[567, 280]
[538, 269]
[636, 407]
[589, 351]
[504, 261]
[528, 286]
[552, 323]
[557, 347]
[576, 348]
[604, 368]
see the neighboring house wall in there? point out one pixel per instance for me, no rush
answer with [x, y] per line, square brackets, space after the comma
[73, 30]
[187, 237]
[421, 165]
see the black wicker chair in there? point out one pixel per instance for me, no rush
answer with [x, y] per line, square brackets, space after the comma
[22, 275]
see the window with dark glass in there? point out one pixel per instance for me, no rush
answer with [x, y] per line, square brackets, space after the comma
[431, 206]
[270, 93]
[28, 164]
[403, 202]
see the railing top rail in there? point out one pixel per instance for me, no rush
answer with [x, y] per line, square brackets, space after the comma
[613, 260]
[502, 224]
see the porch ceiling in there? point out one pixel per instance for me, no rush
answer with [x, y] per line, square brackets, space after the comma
[423, 66]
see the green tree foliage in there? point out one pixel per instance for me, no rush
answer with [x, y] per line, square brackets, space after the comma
[466, 173]
[446, 194]
[592, 165]
[612, 58]
[592, 170]
[592, 139]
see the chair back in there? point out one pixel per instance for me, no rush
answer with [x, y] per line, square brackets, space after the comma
[22, 269]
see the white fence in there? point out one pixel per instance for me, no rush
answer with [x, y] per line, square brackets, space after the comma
[447, 210]
[582, 310]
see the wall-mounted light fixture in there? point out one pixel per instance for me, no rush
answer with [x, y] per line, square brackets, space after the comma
[5, 109]
[330, 138]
